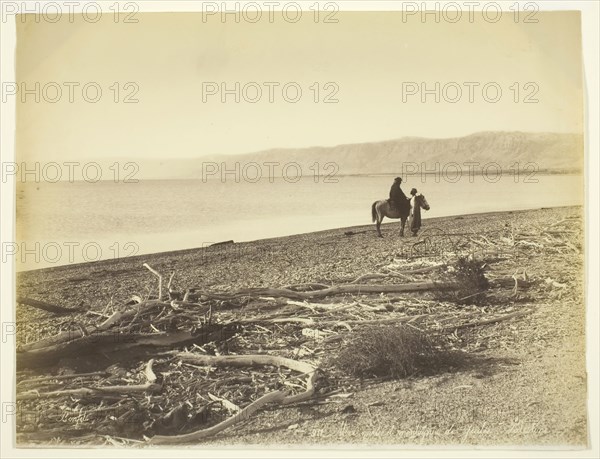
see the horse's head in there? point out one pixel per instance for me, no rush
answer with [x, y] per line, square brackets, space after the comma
[422, 202]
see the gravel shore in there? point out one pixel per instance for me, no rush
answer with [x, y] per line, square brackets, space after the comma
[530, 390]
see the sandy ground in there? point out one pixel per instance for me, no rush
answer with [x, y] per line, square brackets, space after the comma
[528, 386]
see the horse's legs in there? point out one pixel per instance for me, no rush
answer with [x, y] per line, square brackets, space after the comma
[378, 224]
[403, 222]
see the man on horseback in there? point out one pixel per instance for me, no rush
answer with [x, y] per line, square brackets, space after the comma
[399, 206]
[398, 199]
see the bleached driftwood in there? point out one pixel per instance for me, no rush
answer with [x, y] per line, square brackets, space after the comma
[229, 406]
[149, 372]
[271, 397]
[89, 392]
[335, 290]
[62, 377]
[96, 391]
[305, 286]
[494, 320]
[157, 274]
[245, 413]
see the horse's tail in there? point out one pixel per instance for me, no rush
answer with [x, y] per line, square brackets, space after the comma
[374, 212]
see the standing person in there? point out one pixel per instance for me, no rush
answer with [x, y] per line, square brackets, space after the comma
[415, 213]
[398, 199]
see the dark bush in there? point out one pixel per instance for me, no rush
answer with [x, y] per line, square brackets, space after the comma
[394, 351]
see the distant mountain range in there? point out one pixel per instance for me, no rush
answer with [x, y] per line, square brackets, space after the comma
[551, 152]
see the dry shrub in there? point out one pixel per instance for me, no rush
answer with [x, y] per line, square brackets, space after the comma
[469, 277]
[396, 351]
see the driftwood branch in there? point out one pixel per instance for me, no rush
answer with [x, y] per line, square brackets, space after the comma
[335, 290]
[62, 377]
[272, 397]
[149, 373]
[306, 286]
[89, 392]
[115, 342]
[46, 306]
[72, 335]
[405, 274]
[157, 274]
[488, 321]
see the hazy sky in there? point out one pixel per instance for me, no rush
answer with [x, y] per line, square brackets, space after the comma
[367, 55]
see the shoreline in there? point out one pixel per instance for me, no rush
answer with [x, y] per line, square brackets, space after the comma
[169, 253]
[542, 172]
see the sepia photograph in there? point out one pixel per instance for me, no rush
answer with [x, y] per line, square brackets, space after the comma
[328, 227]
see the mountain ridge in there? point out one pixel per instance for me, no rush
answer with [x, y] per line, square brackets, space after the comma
[546, 151]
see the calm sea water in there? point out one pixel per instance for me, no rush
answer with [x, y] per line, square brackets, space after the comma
[62, 223]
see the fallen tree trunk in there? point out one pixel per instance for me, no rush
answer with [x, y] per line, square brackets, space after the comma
[71, 335]
[119, 343]
[335, 290]
[46, 306]
[90, 392]
[87, 391]
[349, 288]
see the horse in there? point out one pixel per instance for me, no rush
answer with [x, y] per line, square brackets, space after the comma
[382, 208]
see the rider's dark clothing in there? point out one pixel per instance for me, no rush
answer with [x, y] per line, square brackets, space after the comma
[398, 199]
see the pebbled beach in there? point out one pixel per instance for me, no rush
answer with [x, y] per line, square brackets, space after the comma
[542, 353]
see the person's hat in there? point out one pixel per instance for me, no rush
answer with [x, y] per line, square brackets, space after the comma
[398, 179]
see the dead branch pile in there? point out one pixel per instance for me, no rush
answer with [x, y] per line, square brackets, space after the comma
[186, 364]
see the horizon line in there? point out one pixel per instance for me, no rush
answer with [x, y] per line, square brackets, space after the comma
[254, 152]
